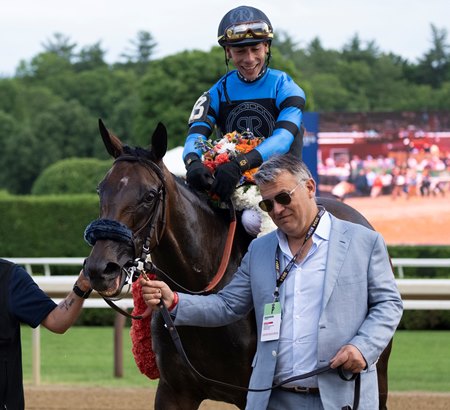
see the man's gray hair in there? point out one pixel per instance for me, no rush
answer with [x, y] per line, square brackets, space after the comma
[277, 164]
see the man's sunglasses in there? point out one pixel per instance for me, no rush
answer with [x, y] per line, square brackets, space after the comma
[283, 198]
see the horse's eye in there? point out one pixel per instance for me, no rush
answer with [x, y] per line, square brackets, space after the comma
[150, 197]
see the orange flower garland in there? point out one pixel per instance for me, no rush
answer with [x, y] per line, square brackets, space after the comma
[227, 148]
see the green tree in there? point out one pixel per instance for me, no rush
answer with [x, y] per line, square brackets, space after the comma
[65, 130]
[11, 98]
[90, 89]
[141, 51]
[317, 59]
[442, 96]
[329, 93]
[51, 71]
[20, 156]
[355, 76]
[434, 66]
[91, 58]
[43, 67]
[61, 46]
[359, 50]
[285, 45]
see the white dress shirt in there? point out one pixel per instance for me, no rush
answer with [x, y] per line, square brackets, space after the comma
[303, 289]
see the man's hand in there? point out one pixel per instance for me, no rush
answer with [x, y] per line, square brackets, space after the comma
[198, 176]
[350, 358]
[153, 291]
[226, 178]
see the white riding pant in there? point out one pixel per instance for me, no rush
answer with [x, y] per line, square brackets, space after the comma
[257, 222]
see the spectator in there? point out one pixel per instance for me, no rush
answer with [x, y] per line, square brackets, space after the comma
[22, 301]
[425, 182]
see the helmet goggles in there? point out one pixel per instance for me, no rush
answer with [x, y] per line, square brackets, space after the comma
[248, 30]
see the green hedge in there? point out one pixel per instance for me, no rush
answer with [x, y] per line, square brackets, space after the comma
[425, 320]
[38, 226]
[53, 226]
[71, 176]
[97, 317]
[422, 252]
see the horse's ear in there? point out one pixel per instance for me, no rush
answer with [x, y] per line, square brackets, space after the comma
[112, 143]
[159, 141]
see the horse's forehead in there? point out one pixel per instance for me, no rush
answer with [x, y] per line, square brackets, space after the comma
[124, 181]
[130, 175]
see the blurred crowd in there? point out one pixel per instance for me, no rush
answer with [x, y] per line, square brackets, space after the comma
[421, 173]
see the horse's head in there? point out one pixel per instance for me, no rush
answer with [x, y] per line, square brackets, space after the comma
[132, 196]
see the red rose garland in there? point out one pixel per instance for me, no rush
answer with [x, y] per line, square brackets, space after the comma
[141, 338]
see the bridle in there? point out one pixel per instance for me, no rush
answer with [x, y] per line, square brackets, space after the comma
[158, 207]
[109, 229]
[153, 228]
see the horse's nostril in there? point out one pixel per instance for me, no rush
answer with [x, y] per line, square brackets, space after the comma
[112, 269]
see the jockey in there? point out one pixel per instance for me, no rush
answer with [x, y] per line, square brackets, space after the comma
[253, 97]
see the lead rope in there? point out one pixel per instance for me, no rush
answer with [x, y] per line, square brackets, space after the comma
[179, 346]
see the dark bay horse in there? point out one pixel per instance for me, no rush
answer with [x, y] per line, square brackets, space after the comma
[186, 237]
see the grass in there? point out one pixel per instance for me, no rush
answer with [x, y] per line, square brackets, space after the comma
[420, 360]
[83, 355]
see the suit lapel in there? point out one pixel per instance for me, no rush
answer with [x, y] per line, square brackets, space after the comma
[337, 251]
[266, 263]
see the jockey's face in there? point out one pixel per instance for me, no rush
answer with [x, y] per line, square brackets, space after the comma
[249, 60]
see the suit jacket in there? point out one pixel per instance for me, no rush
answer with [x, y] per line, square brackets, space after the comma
[361, 306]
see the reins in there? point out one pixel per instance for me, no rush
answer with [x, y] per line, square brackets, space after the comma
[178, 345]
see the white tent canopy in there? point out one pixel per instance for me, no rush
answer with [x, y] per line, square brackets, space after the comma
[174, 161]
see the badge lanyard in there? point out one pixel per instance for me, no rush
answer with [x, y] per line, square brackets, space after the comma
[281, 278]
[271, 323]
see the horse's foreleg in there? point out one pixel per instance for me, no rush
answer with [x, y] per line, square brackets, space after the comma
[171, 398]
[382, 372]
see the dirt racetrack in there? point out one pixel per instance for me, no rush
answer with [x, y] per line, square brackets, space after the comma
[402, 221]
[68, 398]
[414, 221]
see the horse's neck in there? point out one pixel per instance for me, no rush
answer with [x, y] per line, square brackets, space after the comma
[192, 245]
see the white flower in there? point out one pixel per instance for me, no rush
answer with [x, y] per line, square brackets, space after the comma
[248, 197]
[226, 147]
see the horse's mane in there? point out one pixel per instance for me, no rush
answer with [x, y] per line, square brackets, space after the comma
[138, 152]
[200, 199]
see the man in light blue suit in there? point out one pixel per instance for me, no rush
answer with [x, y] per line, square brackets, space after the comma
[323, 293]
